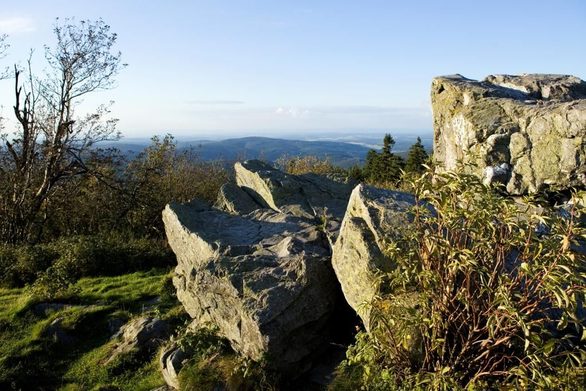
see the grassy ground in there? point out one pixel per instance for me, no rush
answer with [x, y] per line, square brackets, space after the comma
[33, 357]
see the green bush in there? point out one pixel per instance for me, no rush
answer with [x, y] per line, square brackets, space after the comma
[496, 294]
[53, 283]
[101, 255]
[20, 265]
[71, 258]
[299, 165]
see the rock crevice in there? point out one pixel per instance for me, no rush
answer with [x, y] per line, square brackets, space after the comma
[258, 267]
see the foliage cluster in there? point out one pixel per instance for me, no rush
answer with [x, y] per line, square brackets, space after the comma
[129, 195]
[51, 140]
[417, 157]
[486, 294]
[54, 180]
[126, 196]
[387, 169]
[384, 168]
[55, 265]
[299, 165]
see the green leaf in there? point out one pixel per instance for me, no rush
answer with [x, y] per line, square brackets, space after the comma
[549, 346]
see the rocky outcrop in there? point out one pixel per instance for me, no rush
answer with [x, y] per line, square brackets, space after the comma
[373, 219]
[542, 86]
[263, 277]
[141, 336]
[527, 132]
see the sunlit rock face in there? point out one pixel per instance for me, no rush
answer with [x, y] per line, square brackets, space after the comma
[527, 132]
[257, 265]
[373, 219]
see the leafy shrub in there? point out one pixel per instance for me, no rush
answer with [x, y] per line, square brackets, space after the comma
[20, 265]
[66, 260]
[299, 165]
[119, 192]
[161, 174]
[107, 255]
[496, 293]
[55, 282]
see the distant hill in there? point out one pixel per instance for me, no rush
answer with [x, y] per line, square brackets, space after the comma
[271, 149]
[342, 153]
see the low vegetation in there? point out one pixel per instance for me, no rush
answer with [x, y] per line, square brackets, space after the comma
[299, 165]
[213, 364]
[74, 257]
[35, 354]
[66, 341]
[382, 169]
[481, 298]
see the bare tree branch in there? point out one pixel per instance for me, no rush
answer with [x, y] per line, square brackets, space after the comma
[51, 143]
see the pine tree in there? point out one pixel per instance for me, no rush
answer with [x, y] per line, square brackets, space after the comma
[384, 167]
[416, 158]
[388, 143]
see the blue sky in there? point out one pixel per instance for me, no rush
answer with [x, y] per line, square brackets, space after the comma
[269, 67]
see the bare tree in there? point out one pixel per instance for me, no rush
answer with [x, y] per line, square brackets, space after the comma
[52, 141]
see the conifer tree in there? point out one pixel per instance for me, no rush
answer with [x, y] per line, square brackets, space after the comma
[384, 167]
[416, 158]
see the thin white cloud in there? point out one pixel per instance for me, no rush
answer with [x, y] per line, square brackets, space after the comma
[16, 25]
[317, 111]
[294, 112]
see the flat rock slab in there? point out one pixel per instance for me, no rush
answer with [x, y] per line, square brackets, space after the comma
[234, 200]
[527, 132]
[308, 196]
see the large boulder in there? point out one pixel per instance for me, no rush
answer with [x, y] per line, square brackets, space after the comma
[263, 279]
[527, 132]
[373, 219]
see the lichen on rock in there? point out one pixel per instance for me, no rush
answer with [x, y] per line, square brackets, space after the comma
[532, 126]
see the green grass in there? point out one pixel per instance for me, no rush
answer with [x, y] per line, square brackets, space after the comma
[30, 358]
[89, 371]
[10, 301]
[129, 291]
